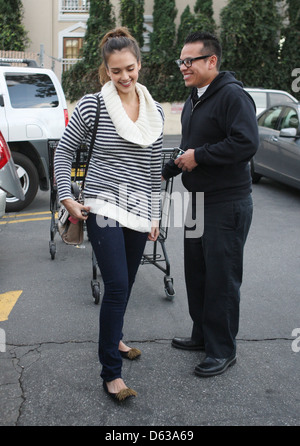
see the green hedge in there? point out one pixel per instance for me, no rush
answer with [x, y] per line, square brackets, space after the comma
[257, 45]
[13, 36]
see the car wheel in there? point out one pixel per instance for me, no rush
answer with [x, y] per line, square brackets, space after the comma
[29, 180]
[255, 176]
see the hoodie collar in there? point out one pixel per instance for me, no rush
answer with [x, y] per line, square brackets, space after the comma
[222, 79]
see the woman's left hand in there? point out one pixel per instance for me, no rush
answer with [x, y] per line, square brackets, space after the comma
[76, 209]
[154, 231]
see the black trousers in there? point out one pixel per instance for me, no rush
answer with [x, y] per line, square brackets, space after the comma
[213, 273]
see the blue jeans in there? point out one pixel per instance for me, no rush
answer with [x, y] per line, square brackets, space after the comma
[118, 251]
[213, 274]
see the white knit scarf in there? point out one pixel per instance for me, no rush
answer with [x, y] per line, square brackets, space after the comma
[149, 125]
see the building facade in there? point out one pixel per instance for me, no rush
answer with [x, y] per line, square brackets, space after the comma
[56, 28]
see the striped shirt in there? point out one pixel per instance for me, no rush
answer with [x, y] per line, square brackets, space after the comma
[124, 175]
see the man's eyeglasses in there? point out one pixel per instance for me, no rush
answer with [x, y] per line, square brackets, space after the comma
[188, 61]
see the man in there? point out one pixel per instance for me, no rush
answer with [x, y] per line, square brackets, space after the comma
[219, 137]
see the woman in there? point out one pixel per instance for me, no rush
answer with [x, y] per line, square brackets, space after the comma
[122, 188]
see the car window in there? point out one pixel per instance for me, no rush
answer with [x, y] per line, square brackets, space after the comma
[279, 98]
[31, 91]
[260, 99]
[270, 118]
[289, 119]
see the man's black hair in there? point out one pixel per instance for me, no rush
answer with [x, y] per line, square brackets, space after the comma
[211, 44]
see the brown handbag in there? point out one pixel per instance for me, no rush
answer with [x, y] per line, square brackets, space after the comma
[70, 229]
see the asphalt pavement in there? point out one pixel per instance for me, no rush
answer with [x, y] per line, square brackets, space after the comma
[49, 370]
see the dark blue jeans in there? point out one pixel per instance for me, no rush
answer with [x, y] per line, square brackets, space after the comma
[118, 251]
[213, 274]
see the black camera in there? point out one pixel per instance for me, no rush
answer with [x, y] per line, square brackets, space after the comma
[177, 153]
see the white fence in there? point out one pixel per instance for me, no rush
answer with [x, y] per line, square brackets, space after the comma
[67, 63]
[19, 55]
[75, 6]
[57, 65]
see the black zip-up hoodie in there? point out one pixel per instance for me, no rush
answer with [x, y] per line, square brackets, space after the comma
[221, 126]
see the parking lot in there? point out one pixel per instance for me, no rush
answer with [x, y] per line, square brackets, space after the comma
[49, 371]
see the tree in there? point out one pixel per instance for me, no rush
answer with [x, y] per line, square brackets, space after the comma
[202, 19]
[204, 7]
[204, 13]
[82, 77]
[250, 41]
[101, 20]
[132, 16]
[164, 31]
[158, 65]
[13, 36]
[289, 57]
[188, 24]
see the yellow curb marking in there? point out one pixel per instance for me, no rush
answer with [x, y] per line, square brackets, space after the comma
[19, 218]
[25, 215]
[7, 302]
[23, 220]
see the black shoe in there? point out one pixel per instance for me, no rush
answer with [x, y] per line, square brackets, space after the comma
[133, 353]
[214, 366]
[120, 396]
[187, 344]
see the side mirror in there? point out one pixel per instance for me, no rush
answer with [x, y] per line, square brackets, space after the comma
[1, 101]
[288, 133]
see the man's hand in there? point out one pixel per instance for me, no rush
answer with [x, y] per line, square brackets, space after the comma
[187, 160]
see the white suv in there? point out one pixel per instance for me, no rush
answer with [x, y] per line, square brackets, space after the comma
[264, 98]
[33, 110]
[9, 180]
